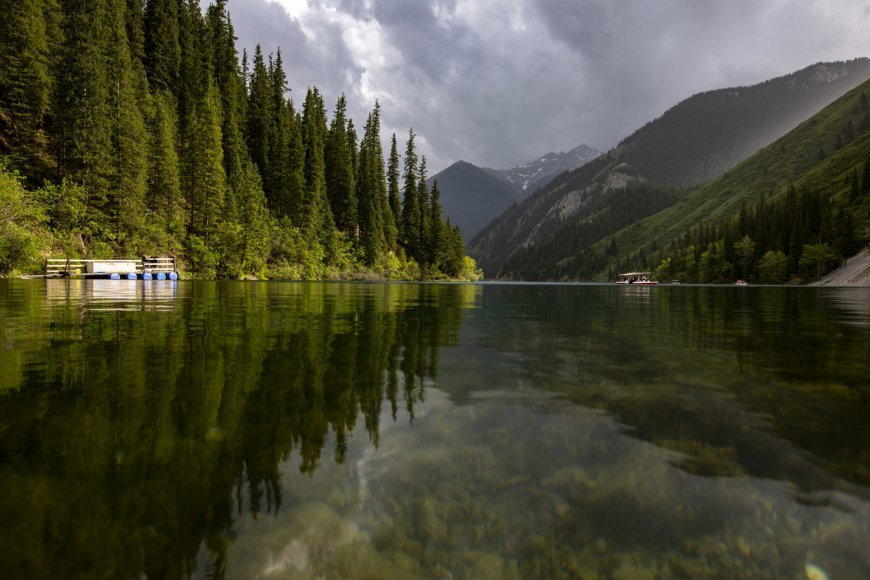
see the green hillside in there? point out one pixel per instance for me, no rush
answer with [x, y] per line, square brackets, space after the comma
[826, 156]
[695, 141]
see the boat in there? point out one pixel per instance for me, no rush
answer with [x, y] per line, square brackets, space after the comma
[741, 283]
[639, 278]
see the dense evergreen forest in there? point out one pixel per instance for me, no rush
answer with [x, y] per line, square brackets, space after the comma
[132, 127]
[802, 236]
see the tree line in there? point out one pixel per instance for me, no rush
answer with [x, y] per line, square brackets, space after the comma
[133, 127]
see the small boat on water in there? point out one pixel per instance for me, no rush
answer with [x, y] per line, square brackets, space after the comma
[639, 278]
[741, 283]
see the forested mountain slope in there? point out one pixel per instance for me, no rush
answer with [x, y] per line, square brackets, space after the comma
[809, 188]
[653, 168]
[473, 196]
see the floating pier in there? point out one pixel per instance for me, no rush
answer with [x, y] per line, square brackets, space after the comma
[146, 268]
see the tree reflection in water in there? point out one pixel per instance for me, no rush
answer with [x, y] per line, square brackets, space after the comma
[130, 435]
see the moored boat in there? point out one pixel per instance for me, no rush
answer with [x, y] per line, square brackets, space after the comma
[639, 278]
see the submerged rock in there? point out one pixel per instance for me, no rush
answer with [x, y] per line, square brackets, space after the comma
[814, 572]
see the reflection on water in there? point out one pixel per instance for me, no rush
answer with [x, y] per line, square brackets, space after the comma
[115, 294]
[397, 430]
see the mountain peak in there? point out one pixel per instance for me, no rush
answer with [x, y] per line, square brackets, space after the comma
[531, 175]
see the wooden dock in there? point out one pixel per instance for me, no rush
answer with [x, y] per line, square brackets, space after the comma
[146, 268]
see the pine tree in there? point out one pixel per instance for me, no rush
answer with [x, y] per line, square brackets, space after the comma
[410, 202]
[129, 137]
[259, 113]
[368, 190]
[193, 74]
[353, 146]
[388, 227]
[230, 85]
[340, 187]
[296, 187]
[455, 250]
[203, 179]
[162, 45]
[437, 248]
[317, 216]
[393, 186]
[278, 183]
[164, 179]
[423, 239]
[134, 24]
[253, 224]
[25, 79]
[83, 114]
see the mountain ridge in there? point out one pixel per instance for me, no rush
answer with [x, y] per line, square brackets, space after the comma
[529, 176]
[696, 140]
[472, 195]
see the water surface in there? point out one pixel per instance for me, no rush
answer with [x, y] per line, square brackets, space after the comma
[245, 430]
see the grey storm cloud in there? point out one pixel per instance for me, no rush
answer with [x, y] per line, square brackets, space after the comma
[497, 83]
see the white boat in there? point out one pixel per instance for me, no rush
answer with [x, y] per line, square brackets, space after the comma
[639, 278]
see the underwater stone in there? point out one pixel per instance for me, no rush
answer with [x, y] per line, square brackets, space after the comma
[813, 572]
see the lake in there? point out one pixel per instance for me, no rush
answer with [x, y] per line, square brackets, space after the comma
[302, 430]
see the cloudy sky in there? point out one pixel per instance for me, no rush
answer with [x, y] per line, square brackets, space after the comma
[499, 82]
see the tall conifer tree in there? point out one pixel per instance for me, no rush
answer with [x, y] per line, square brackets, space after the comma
[164, 185]
[25, 78]
[162, 45]
[317, 221]
[410, 201]
[83, 110]
[393, 186]
[277, 184]
[371, 190]
[437, 250]
[423, 241]
[129, 136]
[296, 188]
[389, 227]
[134, 23]
[340, 185]
[259, 113]
[193, 73]
[230, 85]
[203, 179]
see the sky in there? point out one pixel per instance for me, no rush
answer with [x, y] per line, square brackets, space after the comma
[500, 82]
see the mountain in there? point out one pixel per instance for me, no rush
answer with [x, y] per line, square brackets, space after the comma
[812, 186]
[654, 168]
[530, 176]
[472, 196]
